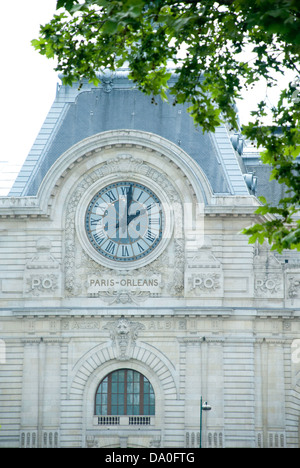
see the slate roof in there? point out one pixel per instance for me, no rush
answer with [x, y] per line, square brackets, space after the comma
[116, 104]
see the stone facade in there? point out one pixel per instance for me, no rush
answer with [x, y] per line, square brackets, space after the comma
[209, 316]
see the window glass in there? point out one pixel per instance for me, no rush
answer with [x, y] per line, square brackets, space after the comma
[125, 392]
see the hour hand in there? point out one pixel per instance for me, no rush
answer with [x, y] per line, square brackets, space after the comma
[133, 216]
[122, 223]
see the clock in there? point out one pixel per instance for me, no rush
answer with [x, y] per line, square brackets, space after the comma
[124, 222]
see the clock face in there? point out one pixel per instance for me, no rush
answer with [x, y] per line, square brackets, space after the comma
[124, 221]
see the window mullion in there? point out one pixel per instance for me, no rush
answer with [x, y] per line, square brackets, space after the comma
[141, 394]
[109, 394]
[125, 392]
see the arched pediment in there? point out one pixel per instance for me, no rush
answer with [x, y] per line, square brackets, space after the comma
[94, 151]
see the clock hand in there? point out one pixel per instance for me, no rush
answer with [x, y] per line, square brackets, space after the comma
[133, 216]
[130, 217]
[122, 221]
[129, 198]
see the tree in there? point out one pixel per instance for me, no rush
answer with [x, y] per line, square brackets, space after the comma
[206, 41]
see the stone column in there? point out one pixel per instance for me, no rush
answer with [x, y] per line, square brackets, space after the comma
[271, 408]
[51, 392]
[40, 411]
[239, 391]
[30, 394]
[193, 381]
[190, 388]
[276, 392]
[215, 392]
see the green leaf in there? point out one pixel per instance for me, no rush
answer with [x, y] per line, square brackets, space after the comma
[67, 4]
[77, 8]
[110, 27]
[262, 199]
[36, 43]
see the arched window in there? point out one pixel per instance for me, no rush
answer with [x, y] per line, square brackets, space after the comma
[125, 392]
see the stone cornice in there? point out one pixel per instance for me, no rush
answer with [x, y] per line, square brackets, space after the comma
[21, 208]
[150, 312]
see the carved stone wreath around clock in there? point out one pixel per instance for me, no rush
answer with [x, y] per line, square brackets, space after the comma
[122, 167]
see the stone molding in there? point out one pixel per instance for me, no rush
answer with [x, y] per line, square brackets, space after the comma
[104, 355]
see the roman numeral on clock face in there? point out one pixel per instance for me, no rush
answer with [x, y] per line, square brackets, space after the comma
[99, 237]
[141, 248]
[94, 221]
[154, 221]
[111, 196]
[150, 236]
[125, 251]
[110, 248]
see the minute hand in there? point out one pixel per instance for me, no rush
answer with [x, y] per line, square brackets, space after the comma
[129, 199]
[122, 222]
